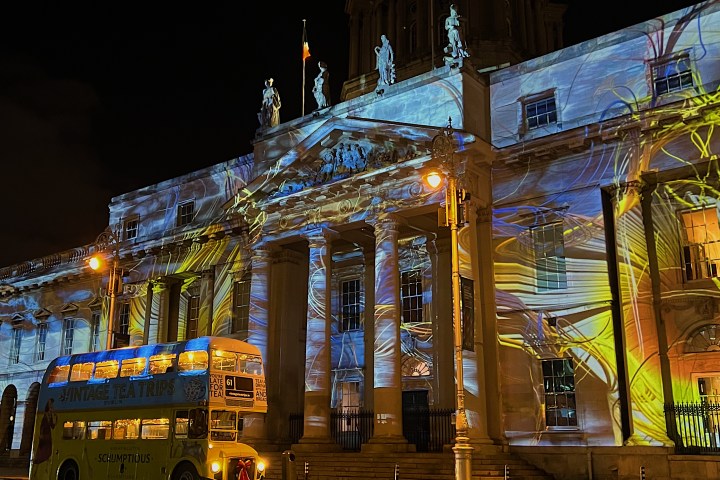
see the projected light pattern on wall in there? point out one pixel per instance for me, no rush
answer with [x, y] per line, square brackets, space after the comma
[574, 320]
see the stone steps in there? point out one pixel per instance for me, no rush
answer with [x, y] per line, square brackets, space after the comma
[411, 466]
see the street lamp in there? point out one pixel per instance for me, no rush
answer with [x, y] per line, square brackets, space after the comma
[443, 149]
[109, 240]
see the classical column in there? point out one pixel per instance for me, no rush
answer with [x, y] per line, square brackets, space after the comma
[316, 432]
[254, 431]
[387, 386]
[207, 298]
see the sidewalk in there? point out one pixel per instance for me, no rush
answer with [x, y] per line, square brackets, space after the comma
[9, 473]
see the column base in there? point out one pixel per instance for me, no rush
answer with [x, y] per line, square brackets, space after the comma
[316, 445]
[390, 443]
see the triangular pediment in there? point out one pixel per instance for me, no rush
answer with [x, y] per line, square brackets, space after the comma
[69, 309]
[339, 149]
[42, 314]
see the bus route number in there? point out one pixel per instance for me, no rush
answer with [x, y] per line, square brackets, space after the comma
[238, 387]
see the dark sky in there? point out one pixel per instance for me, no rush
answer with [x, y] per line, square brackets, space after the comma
[101, 98]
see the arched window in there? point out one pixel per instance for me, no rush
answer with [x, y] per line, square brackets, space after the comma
[704, 339]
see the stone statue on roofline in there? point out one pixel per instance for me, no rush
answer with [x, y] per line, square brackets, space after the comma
[385, 64]
[321, 90]
[269, 115]
[456, 50]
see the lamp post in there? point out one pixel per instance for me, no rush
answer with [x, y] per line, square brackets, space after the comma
[109, 239]
[443, 149]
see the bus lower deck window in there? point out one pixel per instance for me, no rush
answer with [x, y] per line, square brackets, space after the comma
[74, 430]
[99, 430]
[126, 429]
[155, 428]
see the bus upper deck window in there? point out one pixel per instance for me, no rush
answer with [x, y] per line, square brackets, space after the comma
[250, 364]
[81, 371]
[106, 369]
[133, 366]
[193, 360]
[222, 360]
[161, 363]
[59, 374]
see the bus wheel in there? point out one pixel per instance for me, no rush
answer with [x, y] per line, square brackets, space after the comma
[69, 471]
[185, 471]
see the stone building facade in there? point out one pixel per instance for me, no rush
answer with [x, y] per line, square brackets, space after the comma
[588, 252]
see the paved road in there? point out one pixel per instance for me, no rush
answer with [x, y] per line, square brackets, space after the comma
[13, 473]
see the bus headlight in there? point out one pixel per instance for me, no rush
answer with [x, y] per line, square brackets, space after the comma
[215, 467]
[260, 466]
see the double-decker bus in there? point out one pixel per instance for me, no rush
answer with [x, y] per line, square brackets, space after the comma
[165, 411]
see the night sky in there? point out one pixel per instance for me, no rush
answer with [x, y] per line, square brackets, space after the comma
[102, 98]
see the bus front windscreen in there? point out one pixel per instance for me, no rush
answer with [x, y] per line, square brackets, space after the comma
[223, 425]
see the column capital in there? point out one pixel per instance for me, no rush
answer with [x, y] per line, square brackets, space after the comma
[386, 221]
[622, 189]
[319, 237]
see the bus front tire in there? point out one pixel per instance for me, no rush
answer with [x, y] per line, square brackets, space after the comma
[185, 471]
[69, 471]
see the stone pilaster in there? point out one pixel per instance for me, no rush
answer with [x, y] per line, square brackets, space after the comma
[207, 297]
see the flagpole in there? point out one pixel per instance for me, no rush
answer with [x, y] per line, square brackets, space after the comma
[302, 112]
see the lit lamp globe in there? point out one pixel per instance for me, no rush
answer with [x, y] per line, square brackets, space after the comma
[434, 179]
[95, 263]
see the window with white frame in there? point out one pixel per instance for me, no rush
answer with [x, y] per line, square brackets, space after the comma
[411, 296]
[540, 113]
[185, 212]
[241, 303]
[68, 335]
[559, 387]
[549, 251]
[193, 317]
[131, 228]
[351, 304]
[41, 340]
[17, 335]
[123, 325]
[95, 331]
[701, 242]
[672, 75]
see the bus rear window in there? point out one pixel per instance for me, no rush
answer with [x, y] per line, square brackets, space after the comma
[106, 369]
[226, 361]
[99, 430]
[194, 360]
[59, 374]
[81, 371]
[251, 364]
[133, 366]
[161, 363]
[155, 428]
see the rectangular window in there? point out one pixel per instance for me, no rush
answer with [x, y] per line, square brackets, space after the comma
[701, 248]
[123, 325]
[126, 429]
[74, 430]
[672, 76]
[42, 329]
[193, 317]
[349, 403]
[99, 430]
[68, 335]
[95, 332]
[411, 296]
[131, 228]
[131, 367]
[559, 386]
[549, 250]
[351, 305]
[81, 372]
[185, 213]
[155, 429]
[241, 303]
[540, 113]
[16, 343]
